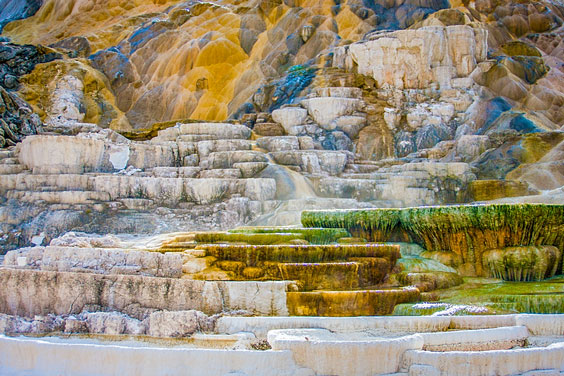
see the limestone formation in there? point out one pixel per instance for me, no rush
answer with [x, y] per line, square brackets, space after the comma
[522, 263]
[111, 323]
[325, 110]
[177, 323]
[71, 293]
[66, 92]
[289, 117]
[97, 260]
[464, 233]
[416, 58]
[158, 158]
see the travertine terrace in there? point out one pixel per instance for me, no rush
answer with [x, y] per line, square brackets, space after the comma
[281, 187]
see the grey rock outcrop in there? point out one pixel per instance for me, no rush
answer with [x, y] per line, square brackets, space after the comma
[416, 58]
[178, 323]
[112, 323]
[65, 293]
[96, 260]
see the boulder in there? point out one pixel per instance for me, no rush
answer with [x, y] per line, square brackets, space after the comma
[405, 143]
[444, 110]
[113, 323]
[430, 135]
[269, 129]
[289, 117]
[335, 140]
[177, 323]
[324, 110]
[351, 125]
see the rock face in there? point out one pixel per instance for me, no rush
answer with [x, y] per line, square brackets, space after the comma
[289, 117]
[70, 293]
[325, 110]
[177, 323]
[413, 59]
[17, 60]
[148, 117]
[97, 260]
[251, 47]
[315, 103]
[17, 119]
[313, 106]
[199, 164]
[16, 10]
[68, 92]
[13, 126]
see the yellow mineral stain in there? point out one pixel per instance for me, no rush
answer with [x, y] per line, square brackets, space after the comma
[38, 87]
[349, 303]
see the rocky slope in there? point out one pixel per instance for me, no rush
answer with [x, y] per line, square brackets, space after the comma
[251, 111]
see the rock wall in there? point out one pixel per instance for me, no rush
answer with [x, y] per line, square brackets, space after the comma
[452, 108]
[70, 91]
[71, 293]
[414, 59]
[17, 118]
[97, 260]
[212, 58]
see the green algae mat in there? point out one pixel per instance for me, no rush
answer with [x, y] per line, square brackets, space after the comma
[479, 296]
[458, 235]
[526, 224]
[313, 235]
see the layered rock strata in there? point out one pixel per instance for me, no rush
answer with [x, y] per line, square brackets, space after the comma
[300, 347]
[415, 59]
[71, 293]
[97, 260]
